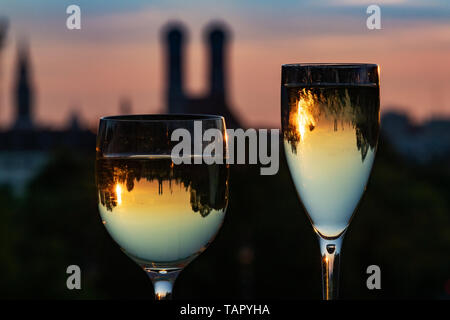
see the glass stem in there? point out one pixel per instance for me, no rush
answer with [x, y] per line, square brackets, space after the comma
[331, 252]
[163, 282]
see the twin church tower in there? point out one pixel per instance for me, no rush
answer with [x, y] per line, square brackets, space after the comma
[215, 101]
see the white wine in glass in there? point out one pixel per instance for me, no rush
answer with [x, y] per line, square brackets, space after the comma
[330, 121]
[162, 214]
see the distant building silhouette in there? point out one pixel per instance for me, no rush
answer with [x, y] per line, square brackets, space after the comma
[74, 124]
[215, 100]
[125, 106]
[421, 144]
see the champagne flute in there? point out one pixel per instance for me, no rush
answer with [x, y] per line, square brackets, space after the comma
[330, 122]
[161, 214]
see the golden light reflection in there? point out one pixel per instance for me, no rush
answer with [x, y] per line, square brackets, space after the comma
[119, 194]
[305, 117]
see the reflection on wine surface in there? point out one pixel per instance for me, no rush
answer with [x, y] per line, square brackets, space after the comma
[162, 215]
[330, 136]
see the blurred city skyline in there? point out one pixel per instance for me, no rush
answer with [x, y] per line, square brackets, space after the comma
[118, 53]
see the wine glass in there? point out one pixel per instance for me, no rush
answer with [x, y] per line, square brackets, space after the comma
[162, 214]
[330, 122]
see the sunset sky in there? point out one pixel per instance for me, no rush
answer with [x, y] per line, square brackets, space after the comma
[118, 52]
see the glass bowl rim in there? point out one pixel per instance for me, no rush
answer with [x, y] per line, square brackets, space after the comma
[162, 117]
[329, 65]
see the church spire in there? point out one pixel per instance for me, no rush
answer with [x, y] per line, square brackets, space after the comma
[3, 29]
[24, 97]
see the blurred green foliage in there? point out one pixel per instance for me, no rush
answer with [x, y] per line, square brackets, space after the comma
[265, 249]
